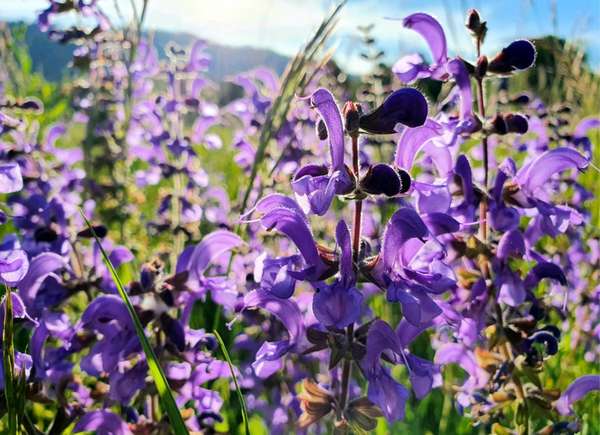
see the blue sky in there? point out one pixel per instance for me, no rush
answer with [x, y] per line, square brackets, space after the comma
[283, 25]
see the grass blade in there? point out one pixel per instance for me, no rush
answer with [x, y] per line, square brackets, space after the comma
[8, 356]
[235, 381]
[293, 82]
[160, 380]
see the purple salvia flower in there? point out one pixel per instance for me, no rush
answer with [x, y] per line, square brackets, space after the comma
[10, 178]
[102, 423]
[410, 68]
[14, 265]
[315, 186]
[576, 391]
[269, 357]
[339, 304]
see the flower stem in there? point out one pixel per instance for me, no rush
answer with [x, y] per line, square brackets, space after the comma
[356, 231]
[505, 348]
[483, 205]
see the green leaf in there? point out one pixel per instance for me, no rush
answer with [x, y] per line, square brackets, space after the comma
[160, 380]
[8, 356]
[235, 381]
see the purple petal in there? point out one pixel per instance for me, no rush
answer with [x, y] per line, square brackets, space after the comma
[10, 178]
[412, 141]
[388, 394]
[293, 225]
[14, 265]
[285, 310]
[322, 100]
[543, 270]
[585, 125]
[441, 223]
[342, 236]
[576, 391]
[512, 289]
[211, 247]
[465, 359]
[431, 30]
[457, 68]
[381, 337]
[405, 106]
[410, 68]
[39, 269]
[103, 423]
[407, 332]
[272, 201]
[511, 243]
[432, 198]
[337, 306]
[534, 175]
[404, 225]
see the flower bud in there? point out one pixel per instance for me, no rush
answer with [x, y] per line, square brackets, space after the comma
[481, 67]
[99, 230]
[405, 180]
[351, 113]
[523, 98]
[499, 124]
[32, 104]
[405, 106]
[516, 123]
[473, 20]
[519, 55]
[476, 27]
[381, 179]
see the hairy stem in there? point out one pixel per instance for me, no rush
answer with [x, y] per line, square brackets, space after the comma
[356, 231]
[483, 205]
[505, 348]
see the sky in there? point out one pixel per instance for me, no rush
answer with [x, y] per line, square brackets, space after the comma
[285, 25]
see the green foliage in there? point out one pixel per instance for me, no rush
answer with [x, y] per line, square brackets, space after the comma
[235, 381]
[158, 375]
[295, 79]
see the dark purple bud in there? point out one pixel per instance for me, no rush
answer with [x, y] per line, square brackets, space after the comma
[537, 311]
[563, 108]
[516, 123]
[405, 180]
[481, 66]
[519, 55]
[521, 99]
[553, 330]
[476, 27]
[321, 130]
[174, 331]
[473, 20]
[351, 113]
[405, 106]
[499, 124]
[45, 234]
[312, 170]
[167, 297]
[99, 230]
[381, 179]
[30, 104]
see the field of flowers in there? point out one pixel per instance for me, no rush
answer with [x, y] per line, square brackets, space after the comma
[416, 250]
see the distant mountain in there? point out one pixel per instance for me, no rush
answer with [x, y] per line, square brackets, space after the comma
[52, 59]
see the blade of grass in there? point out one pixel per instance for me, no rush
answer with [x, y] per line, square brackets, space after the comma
[8, 356]
[235, 381]
[292, 82]
[160, 380]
